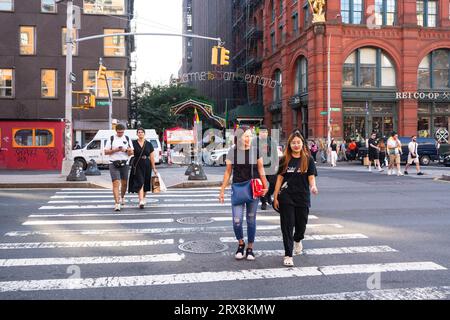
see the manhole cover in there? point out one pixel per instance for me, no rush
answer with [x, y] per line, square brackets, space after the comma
[195, 220]
[203, 246]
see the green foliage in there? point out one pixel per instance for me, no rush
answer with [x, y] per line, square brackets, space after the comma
[153, 104]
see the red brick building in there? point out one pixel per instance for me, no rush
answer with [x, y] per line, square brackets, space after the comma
[379, 48]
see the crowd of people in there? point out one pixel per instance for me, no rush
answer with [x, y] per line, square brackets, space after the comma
[380, 153]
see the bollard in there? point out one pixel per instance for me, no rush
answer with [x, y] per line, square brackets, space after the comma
[197, 173]
[92, 169]
[76, 173]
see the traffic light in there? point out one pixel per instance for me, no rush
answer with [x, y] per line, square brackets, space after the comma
[92, 101]
[215, 55]
[224, 57]
[101, 72]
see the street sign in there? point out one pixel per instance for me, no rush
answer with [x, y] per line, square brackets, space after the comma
[102, 103]
[336, 109]
[323, 113]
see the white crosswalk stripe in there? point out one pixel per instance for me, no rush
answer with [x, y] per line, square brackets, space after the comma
[72, 220]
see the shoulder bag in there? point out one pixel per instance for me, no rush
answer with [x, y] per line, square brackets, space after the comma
[247, 191]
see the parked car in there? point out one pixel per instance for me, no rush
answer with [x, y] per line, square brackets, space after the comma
[445, 159]
[427, 150]
[95, 148]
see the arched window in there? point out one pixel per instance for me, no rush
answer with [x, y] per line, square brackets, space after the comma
[301, 76]
[277, 91]
[434, 70]
[368, 67]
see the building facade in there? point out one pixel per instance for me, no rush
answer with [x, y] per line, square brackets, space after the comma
[32, 61]
[212, 19]
[389, 66]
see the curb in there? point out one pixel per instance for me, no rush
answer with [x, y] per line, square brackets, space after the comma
[445, 177]
[50, 185]
[195, 184]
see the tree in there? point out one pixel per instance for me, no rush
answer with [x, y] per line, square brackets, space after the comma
[152, 104]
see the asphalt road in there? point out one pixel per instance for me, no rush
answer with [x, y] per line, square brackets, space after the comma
[370, 236]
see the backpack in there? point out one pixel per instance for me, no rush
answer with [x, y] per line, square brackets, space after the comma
[112, 139]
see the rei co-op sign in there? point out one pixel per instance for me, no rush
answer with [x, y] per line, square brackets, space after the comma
[422, 95]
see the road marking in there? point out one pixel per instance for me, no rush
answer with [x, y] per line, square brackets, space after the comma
[156, 206]
[307, 237]
[125, 221]
[208, 277]
[115, 214]
[169, 190]
[170, 257]
[324, 251]
[426, 293]
[136, 197]
[83, 244]
[109, 192]
[115, 232]
[135, 201]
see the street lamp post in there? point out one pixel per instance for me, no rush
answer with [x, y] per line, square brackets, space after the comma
[67, 161]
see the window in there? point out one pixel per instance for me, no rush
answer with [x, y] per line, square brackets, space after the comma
[48, 83]
[114, 46]
[385, 12]
[64, 46]
[434, 70]
[427, 13]
[273, 42]
[33, 137]
[90, 82]
[6, 5]
[94, 145]
[281, 34]
[281, 7]
[277, 91]
[27, 40]
[6, 83]
[301, 76]
[104, 7]
[295, 23]
[368, 67]
[272, 10]
[48, 6]
[306, 15]
[351, 11]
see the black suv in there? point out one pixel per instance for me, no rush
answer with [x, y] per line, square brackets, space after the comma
[427, 150]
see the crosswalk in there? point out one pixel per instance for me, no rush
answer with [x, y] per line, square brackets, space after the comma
[77, 230]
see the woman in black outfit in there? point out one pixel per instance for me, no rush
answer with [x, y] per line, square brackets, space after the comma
[141, 169]
[296, 180]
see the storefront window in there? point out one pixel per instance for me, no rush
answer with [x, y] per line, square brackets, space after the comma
[423, 127]
[24, 137]
[433, 117]
[43, 137]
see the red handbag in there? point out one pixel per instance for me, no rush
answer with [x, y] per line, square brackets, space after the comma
[257, 188]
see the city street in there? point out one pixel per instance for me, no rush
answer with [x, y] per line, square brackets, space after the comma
[370, 236]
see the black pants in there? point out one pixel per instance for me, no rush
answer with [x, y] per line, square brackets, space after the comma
[291, 217]
[272, 181]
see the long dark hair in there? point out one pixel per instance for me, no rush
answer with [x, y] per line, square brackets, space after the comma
[304, 153]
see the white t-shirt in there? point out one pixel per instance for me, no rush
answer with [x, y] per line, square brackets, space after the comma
[392, 143]
[117, 142]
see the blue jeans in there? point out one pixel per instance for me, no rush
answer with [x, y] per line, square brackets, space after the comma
[238, 217]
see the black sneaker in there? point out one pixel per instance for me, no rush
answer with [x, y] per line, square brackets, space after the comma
[240, 252]
[406, 173]
[249, 254]
[420, 173]
[264, 206]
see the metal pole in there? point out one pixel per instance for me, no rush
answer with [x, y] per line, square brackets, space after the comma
[329, 93]
[67, 161]
[110, 94]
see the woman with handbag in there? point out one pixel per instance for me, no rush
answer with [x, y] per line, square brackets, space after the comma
[141, 169]
[242, 162]
[295, 181]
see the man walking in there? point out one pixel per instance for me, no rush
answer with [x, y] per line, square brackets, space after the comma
[413, 156]
[268, 150]
[119, 147]
[374, 152]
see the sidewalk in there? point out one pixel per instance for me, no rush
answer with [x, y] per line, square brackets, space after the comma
[431, 171]
[173, 176]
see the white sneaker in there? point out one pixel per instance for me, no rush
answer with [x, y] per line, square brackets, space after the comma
[141, 204]
[380, 170]
[122, 202]
[399, 174]
[117, 207]
[389, 173]
[298, 247]
[370, 169]
[288, 261]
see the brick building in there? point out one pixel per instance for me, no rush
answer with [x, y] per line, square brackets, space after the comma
[32, 61]
[379, 48]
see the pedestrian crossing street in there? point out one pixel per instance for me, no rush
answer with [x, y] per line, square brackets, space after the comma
[76, 245]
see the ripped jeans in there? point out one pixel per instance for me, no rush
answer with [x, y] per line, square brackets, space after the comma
[238, 217]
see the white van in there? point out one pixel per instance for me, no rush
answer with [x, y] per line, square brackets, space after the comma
[95, 148]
